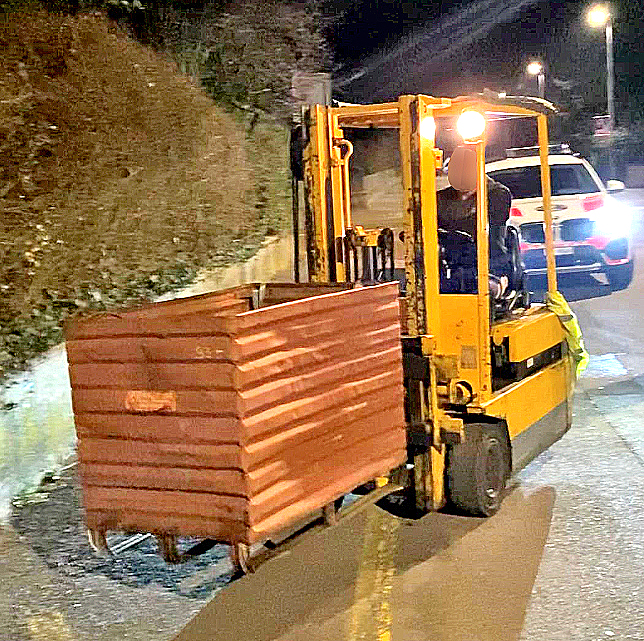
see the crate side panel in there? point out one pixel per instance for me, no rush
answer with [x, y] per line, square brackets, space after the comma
[327, 409]
[338, 467]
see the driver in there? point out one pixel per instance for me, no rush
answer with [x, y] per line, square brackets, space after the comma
[457, 212]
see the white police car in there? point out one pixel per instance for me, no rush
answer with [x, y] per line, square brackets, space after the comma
[591, 228]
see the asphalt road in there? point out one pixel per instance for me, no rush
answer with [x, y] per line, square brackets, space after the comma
[563, 559]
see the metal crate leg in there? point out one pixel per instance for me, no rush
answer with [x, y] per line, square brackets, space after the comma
[330, 514]
[98, 541]
[240, 557]
[168, 547]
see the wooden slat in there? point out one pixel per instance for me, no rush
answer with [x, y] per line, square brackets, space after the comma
[110, 326]
[157, 350]
[200, 504]
[238, 298]
[135, 521]
[113, 451]
[154, 376]
[204, 403]
[211, 301]
[161, 429]
[164, 478]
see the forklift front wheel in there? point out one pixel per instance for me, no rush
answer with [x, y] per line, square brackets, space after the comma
[478, 469]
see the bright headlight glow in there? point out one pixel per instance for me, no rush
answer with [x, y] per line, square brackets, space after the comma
[612, 222]
[428, 128]
[470, 125]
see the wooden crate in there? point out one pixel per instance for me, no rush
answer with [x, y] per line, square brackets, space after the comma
[235, 414]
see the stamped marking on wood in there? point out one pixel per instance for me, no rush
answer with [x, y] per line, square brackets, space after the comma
[207, 352]
[150, 401]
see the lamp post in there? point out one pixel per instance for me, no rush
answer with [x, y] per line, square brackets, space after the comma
[600, 16]
[535, 68]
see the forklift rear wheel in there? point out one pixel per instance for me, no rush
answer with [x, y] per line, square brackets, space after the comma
[478, 469]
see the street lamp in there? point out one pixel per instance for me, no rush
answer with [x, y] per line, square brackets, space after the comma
[599, 16]
[535, 68]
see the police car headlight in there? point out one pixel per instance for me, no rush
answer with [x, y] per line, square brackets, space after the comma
[612, 222]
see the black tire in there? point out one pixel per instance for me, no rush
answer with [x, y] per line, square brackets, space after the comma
[478, 469]
[620, 276]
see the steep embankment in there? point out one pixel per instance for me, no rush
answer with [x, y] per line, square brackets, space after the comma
[118, 177]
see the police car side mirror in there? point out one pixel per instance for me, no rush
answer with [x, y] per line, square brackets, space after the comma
[613, 186]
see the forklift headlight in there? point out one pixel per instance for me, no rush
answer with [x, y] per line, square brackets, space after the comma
[428, 128]
[470, 125]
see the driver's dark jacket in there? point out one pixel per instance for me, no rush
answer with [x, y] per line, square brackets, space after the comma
[457, 214]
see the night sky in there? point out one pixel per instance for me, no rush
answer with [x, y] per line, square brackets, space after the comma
[435, 60]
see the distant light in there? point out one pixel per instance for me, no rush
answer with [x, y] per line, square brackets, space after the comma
[503, 94]
[598, 16]
[535, 68]
[428, 128]
[470, 125]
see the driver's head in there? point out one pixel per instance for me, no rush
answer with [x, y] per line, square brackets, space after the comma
[461, 171]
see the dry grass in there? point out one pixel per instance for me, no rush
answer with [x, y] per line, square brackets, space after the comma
[115, 168]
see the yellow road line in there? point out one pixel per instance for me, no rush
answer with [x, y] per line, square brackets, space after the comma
[49, 626]
[371, 617]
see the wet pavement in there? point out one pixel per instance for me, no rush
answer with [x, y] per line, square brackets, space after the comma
[36, 426]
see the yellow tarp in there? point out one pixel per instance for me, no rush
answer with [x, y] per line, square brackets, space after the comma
[557, 303]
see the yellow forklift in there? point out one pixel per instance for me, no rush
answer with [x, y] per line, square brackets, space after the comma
[488, 382]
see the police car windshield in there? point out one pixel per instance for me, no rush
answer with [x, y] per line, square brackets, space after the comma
[566, 180]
